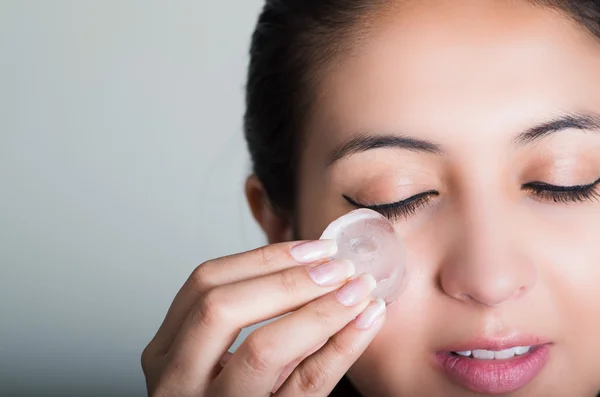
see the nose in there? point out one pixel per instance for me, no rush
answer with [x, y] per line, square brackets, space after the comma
[487, 264]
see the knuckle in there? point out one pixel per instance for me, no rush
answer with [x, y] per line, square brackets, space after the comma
[323, 313]
[311, 379]
[145, 359]
[339, 349]
[201, 277]
[212, 311]
[258, 355]
[289, 282]
[266, 255]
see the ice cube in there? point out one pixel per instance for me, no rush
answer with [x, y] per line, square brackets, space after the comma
[369, 240]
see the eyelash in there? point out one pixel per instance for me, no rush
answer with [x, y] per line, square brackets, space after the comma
[538, 190]
[563, 194]
[401, 209]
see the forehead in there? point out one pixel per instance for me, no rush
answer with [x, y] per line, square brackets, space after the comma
[444, 69]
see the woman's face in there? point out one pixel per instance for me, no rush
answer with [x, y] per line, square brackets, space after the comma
[493, 107]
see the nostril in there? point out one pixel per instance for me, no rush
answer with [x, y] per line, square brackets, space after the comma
[481, 300]
[465, 297]
[520, 292]
[490, 281]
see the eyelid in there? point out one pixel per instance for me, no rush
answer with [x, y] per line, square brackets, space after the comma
[401, 209]
[400, 203]
[540, 190]
[557, 188]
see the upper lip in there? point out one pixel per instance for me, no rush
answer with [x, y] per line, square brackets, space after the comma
[497, 344]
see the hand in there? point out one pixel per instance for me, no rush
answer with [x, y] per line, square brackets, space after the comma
[303, 353]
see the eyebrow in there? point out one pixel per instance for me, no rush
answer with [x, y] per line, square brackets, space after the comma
[569, 121]
[365, 142]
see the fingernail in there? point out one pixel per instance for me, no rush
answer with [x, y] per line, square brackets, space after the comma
[332, 273]
[225, 359]
[314, 250]
[356, 290]
[374, 311]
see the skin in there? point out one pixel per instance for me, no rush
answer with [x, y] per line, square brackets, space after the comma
[470, 76]
[488, 257]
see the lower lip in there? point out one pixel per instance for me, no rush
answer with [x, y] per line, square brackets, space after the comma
[494, 376]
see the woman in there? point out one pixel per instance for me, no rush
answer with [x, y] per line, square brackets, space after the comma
[474, 125]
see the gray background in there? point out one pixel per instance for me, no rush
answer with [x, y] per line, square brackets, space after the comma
[121, 169]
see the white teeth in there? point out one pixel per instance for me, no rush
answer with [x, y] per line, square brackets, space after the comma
[481, 354]
[504, 354]
[520, 350]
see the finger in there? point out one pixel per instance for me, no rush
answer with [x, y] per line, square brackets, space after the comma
[222, 312]
[258, 362]
[222, 363]
[225, 359]
[287, 371]
[319, 374]
[255, 263]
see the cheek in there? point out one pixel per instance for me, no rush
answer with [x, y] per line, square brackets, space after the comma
[575, 283]
[319, 203]
[398, 358]
[570, 260]
[566, 300]
[315, 213]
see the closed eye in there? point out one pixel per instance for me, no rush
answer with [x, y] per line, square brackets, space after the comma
[540, 191]
[563, 194]
[400, 209]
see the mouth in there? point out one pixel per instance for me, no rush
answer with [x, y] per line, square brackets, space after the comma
[495, 366]
[483, 354]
